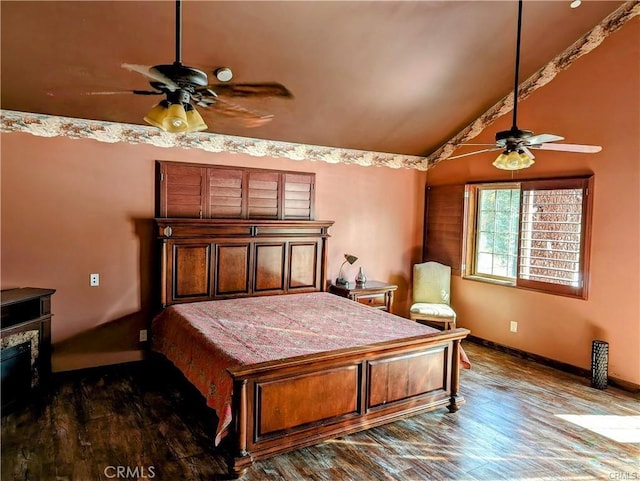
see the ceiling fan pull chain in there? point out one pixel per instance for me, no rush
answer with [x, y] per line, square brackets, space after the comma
[517, 74]
[178, 32]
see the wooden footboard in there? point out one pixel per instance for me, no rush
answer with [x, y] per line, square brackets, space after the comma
[285, 405]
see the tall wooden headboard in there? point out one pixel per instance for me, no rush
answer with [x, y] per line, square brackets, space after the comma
[207, 259]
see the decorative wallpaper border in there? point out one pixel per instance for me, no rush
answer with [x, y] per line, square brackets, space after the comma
[43, 125]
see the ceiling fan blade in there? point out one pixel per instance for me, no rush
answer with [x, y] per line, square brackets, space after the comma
[473, 153]
[269, 89]
[542, 139]
[584, 149]
[478, 145]
[153, 74]
[528, 152]
[248, 118]
[119, 92]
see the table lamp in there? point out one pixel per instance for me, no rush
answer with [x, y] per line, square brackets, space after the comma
[341, 281]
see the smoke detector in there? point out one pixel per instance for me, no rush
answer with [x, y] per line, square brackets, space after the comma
[224, 74]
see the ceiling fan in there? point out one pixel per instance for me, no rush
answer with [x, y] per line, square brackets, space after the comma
[515, 143]
[185, 86]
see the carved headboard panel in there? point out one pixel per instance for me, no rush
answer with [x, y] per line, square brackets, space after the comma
[207, 259]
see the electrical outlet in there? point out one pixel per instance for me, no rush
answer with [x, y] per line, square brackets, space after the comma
[94, 280]
[514, 326]
[143, 335]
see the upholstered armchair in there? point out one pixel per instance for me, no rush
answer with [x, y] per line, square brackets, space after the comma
[431, 294]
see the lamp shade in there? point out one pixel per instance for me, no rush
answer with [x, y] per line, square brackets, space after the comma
[350, 259]
[513, 160]
[175, 120]
[194, 119]
[157, 114]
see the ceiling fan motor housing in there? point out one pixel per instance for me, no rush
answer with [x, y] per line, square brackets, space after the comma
[513, 137]
[181, 96]
[186, 77]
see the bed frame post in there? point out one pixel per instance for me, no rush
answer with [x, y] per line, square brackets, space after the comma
[455, 401]
[163, 275]
[239, 460]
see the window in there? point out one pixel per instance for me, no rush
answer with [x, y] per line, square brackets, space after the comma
[497, 231]
[530, 234]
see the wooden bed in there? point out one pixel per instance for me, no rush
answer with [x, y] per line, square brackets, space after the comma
[284, 404]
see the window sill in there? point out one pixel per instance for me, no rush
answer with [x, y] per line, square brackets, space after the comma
[499, 282]
[489, 280]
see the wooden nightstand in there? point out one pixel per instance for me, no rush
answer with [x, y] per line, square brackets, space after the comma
[376, 294]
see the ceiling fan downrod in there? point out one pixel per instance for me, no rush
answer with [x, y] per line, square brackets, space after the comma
[187, 78]
[515, 132]
[178, 32]
[517, 70]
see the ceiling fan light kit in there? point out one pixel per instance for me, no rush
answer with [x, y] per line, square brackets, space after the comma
[514, 160]
[175, 114]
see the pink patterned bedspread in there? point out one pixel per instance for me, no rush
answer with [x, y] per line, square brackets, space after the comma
[203, 339]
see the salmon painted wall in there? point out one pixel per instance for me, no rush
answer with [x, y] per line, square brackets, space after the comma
[75, 207]
[595, 101]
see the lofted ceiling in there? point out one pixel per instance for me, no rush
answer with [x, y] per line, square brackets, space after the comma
[386, 76]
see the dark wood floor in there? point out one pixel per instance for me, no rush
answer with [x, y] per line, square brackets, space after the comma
[508, 429]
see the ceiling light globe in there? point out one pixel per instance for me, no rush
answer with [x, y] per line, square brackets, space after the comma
[156, 115]
[525, 161]
[176, 119]
[501, 161]
[195, 121]
[513, 160]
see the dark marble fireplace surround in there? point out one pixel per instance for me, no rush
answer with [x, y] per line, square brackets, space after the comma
[25, 343]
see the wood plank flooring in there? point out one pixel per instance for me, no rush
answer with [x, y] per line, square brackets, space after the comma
[155, 425]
